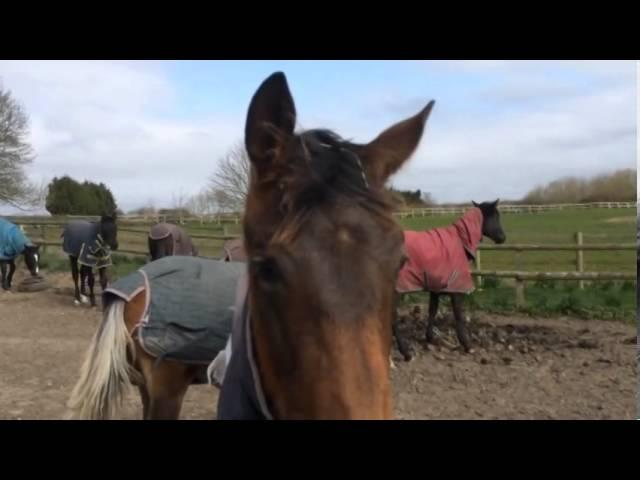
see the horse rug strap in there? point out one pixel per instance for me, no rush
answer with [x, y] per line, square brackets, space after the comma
[82, 240]
[438, 259]
[182, 243]
[189, 309]
[241, 395]
[12, 240]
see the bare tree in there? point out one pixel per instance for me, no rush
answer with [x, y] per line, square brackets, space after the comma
[230, 181]
[202, 204]
[15, 153]
[179, 205]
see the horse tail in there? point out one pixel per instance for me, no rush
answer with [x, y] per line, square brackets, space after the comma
[105, 374]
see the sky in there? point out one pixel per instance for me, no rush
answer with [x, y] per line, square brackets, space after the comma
[154, 129]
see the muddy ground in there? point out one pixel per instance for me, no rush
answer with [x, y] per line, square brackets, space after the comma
[523, 368]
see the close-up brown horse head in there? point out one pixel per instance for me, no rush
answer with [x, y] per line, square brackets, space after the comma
[324, 251]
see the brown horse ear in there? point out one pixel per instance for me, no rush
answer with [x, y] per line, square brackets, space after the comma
[272, 113]
[495, 204]
[393, 147]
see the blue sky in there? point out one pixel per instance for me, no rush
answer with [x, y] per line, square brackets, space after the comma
[499, 128]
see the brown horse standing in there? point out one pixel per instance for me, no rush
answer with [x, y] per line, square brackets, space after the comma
[167, 239]
[324, 253]
[106, 373]
[234, 251]
[160, 330]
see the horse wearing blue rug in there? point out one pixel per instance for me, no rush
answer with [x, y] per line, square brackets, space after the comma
[162, 327]
[13, 243]
[89, 246]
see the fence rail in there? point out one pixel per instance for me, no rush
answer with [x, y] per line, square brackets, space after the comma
[515, 208]
[580, 275]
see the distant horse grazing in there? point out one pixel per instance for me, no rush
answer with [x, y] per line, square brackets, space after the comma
[89, 246]
[234, 251]
[167, 239]
[313, 336]
[162, 326]
[438, 262]
[13, 243]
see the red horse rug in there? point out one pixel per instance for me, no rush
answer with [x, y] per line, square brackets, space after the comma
[438, 259]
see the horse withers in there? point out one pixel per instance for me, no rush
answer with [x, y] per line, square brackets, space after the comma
[13, 243]
[166, 239]
[324, 251]
[89, 246]
[438, 261]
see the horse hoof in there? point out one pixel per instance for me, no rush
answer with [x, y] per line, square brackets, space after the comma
[76, 302]
[84, 299]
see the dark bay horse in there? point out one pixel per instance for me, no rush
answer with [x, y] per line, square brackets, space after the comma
[438, 262]
[13, 243]
[166, 239]
[324, 251]
[89, 246]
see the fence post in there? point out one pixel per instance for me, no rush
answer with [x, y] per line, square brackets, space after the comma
[44, 237]
[579, 259]
[520, 301]
[479, 268]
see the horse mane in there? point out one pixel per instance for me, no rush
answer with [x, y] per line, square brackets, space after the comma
[324, 167]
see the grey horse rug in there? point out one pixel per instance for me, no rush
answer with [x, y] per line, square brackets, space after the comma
[12, 240]
[241, 395]
[182, 243]
[438, 259]
[82, 239]
[189, 310]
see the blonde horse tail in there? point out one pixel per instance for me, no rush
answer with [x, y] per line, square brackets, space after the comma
[106, 374]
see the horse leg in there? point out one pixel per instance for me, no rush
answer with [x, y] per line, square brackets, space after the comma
[12, 270]
[84, 272]
[104, 279]
[169, 385]
[74, 275]
[403, 344]
[3, 270]
[144, 395]
[461, 329]
[91, 280]
[434, 299]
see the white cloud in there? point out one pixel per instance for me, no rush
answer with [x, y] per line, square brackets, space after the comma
[508, 152]
[98, 120]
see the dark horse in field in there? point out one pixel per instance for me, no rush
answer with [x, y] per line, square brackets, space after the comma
[438, 262]
[167, 239]
[13, 243]
[312, 329]
[89, 246]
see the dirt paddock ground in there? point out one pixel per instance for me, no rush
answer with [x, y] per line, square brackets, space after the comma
[523, 368]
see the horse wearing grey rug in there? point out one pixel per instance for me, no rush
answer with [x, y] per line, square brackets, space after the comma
[163, 325]
[89, 246]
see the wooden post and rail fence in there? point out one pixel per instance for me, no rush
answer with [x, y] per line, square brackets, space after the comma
[579, 274]
[520, 276]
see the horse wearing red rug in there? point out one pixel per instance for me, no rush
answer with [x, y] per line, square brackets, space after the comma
[438, 261]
